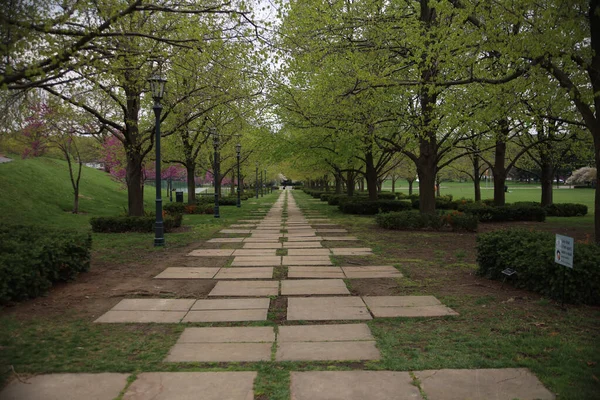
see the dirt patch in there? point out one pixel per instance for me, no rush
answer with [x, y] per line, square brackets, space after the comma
[374, 287]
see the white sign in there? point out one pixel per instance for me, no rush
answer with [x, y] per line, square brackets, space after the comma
[563, 253]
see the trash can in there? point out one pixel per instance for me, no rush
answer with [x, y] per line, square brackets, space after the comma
[179, 197]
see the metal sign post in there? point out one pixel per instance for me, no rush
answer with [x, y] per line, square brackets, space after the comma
[563, 255]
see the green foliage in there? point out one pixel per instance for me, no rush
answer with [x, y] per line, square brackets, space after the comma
[409, 220]
[372, 207]
[509, 212]
[33, 258]
[531, 254]
[175, 208]
[566, 210]
[133, 224]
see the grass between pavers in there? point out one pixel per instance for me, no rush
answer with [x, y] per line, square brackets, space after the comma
[559, 347]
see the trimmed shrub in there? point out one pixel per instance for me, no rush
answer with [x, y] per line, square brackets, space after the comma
[133, 224]
[566, 210]
[409, 220]
[509, 212]
[461, 222]
[369, 207]
[33, 258]
[175, 208]
[386, 196]
[531, 254]
[228, 201]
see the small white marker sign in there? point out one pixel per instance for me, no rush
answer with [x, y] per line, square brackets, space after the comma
[563, 253]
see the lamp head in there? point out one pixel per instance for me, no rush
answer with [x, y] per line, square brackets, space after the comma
[215, 136]
[238, 148]
[157, 87]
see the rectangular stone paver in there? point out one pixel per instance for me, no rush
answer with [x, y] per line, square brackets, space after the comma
[231, 304]
[304, 239]
[326, 308]
[353, 385]
[261, 240]
[189, 385]
[373, 271]
[350, 251]
[340, 238]
[211, 253]
[226, 310]
[324, 333]
[330, 230]
[225, 240]
[187, 273]
[256, 261]
[407, 306]
[243, 334]
[315, 272]
[154, 305]
[245, 273]
[306, 260]
[482, 384]
[159, 317]
[327, 351]
[103, 386]
[254, 252]
[302, 245]
[313, 286]
[245, 288]
[309, 252]
[276, 245]
[236, 231]
[220, 352]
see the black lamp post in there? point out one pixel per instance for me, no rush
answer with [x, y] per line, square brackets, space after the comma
[256, 180]
[157, 86]
[215, 136]
[262, 193]
[238, 149]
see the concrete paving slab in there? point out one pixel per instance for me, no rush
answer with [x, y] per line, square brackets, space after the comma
[248, 226]
[400, 301]
[330, 230]
[350, 251]
[300, 234]
[304, 238]
[326, 308]
[306, 260]
[313, 287]
[340, 238]
[226, 315]
[161, 317]
[353, 385]
[236, 231]
[211, 253]
[220, 352]
[372, 271]
[247, 261]
[154, 305]
[266, 232]
[245, 273]
[225, 240]
[103, 386]
[315, 272]
[254, 252]
[324, 333]
[426, 311]
[482, 384]
[187, 273]
[327, 351]
[308, 252]
[245, 288]
[302, 245]
[188, 386]
[231, 304]
[275, 245]
[238, 334]
[261, 240]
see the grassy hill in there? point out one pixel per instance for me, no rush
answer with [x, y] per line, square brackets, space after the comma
[39, 191]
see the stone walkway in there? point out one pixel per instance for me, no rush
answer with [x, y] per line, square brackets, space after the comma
[271, 243]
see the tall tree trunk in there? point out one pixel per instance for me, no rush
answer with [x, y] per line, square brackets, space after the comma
[476, 178]
[427, 170]
[361, 184]
[410, 186]
[338, 182]
[499, 169]
[394, 178]
[438, 190]
[546, 180]
[597, 191]
[350, 184]
[134, 181]
[371, 176]
[191, 182]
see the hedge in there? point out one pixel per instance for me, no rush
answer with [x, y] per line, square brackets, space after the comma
[509, 212]
[133, 224]
[372, 207]
[409, 220]
[33, 258]
[531, 254]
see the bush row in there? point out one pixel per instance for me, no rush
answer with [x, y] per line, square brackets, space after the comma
[33, 258]
[372, 207]
[509, 212]
[133, 224]
[408, 220]
[531, 254]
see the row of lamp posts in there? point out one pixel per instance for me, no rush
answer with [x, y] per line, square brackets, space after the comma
[157, 87]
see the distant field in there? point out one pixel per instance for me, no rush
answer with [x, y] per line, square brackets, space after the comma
[516, 192]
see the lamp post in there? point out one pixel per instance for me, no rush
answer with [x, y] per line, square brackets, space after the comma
[238, 149]
[266, 191]
[262, 193]
[256, 180]
[215, 136]
[157, 87]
